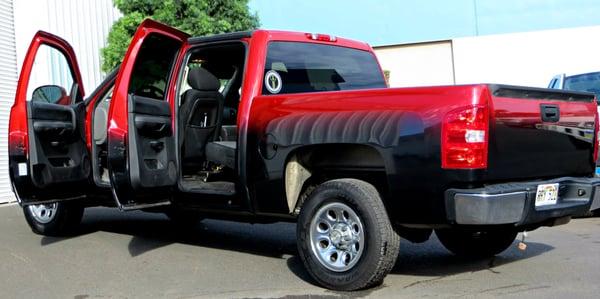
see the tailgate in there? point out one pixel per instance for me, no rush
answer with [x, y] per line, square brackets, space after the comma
[539, 133]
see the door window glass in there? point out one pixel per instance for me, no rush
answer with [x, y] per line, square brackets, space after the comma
[52, 78]
[152, 66]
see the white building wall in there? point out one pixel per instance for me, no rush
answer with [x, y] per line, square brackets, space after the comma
[8, 83]
[529, 59]
[407, 67]
[84, 24]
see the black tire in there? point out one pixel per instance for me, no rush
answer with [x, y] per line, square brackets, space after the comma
[380, 246]
[66, 218]
[183, 218]
[476, 244]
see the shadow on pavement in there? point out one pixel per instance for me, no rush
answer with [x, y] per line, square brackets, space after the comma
[152, 231]
[432, 259]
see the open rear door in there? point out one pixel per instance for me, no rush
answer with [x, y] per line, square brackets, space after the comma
[141, 143]
[48, 159]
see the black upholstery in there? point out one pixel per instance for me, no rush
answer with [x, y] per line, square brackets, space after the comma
[200, 117]
[201, 79]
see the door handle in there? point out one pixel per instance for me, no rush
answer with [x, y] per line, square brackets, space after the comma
[550, 113]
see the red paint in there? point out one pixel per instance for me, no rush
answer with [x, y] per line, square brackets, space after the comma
[597, 136]
[430, 103]
[89, 112]
[18, 135]
[118, 111]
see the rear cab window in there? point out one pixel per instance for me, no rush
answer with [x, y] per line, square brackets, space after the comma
[298, 67]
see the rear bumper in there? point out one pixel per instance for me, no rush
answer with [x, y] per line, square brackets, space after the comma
[514, 203]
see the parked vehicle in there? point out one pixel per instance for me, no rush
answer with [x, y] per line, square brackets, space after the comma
[269, 126]
[588, 82]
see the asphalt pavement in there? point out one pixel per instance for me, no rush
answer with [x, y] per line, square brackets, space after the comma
[141, 255]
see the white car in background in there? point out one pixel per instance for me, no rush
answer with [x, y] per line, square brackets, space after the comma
[589, 82]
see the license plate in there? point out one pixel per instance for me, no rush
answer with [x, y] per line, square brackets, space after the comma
[547, 194]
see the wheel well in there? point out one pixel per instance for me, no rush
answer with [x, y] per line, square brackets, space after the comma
[310, 166]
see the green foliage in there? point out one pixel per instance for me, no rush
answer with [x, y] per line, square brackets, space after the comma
[196, 17]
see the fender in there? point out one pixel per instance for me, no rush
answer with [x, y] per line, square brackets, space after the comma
[346, 136]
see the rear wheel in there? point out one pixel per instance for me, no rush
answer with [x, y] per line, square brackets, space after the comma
[53, 219]
[345, 238]
[476, 243]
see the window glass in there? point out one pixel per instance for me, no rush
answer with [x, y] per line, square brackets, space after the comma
[51, 79]
[293, 67]
[152, 66]
[585, 82]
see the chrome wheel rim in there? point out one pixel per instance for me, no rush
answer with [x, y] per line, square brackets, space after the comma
[337, 237]
[43, 213]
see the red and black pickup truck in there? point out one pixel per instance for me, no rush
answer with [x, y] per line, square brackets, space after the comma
[269, 126]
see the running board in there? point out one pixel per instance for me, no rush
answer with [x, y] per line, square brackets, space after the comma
[134, 206]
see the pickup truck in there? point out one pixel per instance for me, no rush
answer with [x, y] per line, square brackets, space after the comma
[268, 126]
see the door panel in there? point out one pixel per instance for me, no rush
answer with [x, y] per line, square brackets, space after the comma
[152, 152]
[48, 160]
[58, 155]
[141, 145]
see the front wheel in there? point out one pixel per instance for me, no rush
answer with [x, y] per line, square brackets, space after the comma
[53, 219]
[345, 238]
[476, 243]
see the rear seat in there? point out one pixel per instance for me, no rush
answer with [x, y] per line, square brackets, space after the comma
[222, 152]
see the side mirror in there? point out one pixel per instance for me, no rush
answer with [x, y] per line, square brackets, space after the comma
[50, 94]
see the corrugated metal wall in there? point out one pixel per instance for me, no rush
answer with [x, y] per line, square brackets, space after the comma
[8, 82]
[85, 25]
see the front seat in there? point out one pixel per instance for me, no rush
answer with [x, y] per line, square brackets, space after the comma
[200, 117]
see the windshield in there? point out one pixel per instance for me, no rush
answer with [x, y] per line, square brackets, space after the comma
[585, 82]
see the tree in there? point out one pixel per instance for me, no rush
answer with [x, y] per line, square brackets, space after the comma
[196, 17]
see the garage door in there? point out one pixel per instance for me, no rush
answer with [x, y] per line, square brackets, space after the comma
[8, 82]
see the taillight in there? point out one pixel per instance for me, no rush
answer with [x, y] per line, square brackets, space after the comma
[465, 138]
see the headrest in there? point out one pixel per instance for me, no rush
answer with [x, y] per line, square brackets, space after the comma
[201, 79]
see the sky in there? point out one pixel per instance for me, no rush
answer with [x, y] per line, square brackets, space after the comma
[401, 21]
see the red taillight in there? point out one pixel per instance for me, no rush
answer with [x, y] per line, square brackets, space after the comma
[321, 37]
[465, 138]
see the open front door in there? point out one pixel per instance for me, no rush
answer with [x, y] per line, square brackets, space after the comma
[141, 143]
[48, 159]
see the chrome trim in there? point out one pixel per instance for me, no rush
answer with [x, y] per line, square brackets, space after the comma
[143, 206]
[53, 200]
[503, 208]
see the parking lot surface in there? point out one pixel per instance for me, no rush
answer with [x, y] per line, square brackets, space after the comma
[142, 255]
